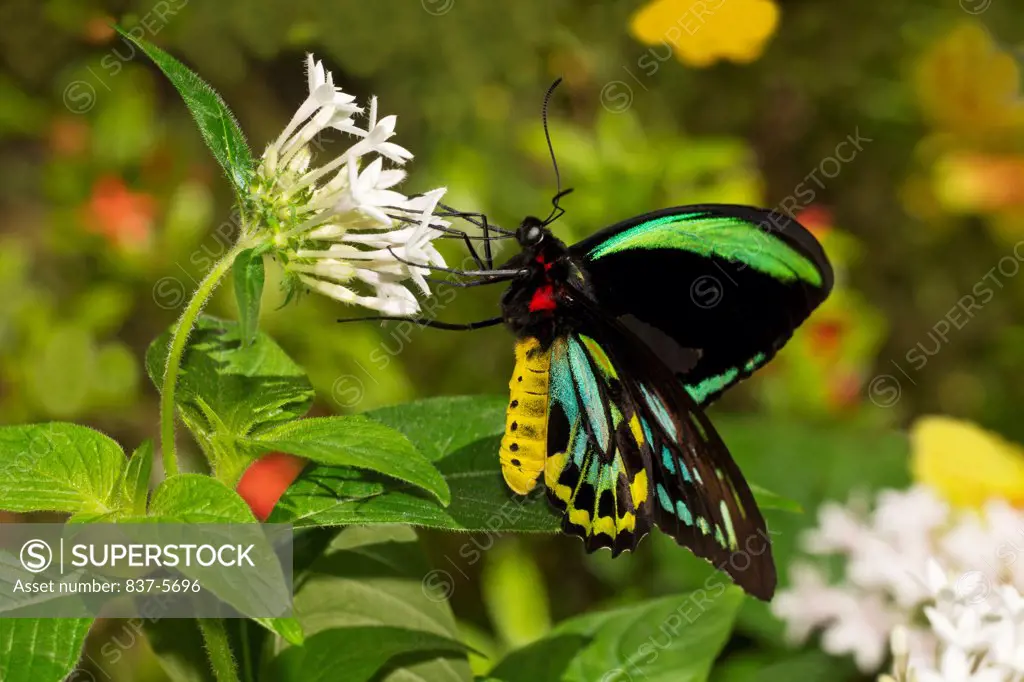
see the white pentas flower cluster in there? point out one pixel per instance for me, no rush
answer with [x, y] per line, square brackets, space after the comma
[947, 581]
[978, 636]
[341, 228]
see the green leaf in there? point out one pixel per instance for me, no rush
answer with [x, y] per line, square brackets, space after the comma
[216, 122]
[41, 650]
[135, 484]
[289, 628]
[226, 392]
[194, 498]
[766, 499]
[58, 467]
[248, 272]
[359, 651]
[355, 442]
[768, 665]
[373, 578]
[458, 436]
[672, 639]
[441, 426]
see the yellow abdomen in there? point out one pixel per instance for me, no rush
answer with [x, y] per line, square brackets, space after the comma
[524, 446]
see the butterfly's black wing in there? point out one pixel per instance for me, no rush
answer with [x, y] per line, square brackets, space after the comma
[714, 290]
[628, 447]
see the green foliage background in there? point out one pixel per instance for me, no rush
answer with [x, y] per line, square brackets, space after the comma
[112, 209]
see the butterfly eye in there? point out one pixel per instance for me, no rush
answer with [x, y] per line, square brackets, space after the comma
[534, 235]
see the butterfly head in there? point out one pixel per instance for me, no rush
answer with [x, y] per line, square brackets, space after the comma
[531, 232]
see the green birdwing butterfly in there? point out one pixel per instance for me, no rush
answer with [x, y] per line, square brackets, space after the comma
[621, 340]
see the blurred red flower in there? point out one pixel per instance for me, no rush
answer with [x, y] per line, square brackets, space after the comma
[266, 479]
[817, 219]
[825, 336]
[124, 217]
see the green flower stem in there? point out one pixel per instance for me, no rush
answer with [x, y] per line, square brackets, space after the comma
[178, 340]
[215, 637]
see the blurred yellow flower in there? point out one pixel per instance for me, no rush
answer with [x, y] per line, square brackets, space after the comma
[703, 31]
[966, 464]
[966, 84]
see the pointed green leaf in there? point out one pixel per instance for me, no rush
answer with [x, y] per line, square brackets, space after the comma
[58, 467]
[135, 484]
[441, 426]
[671, 639]
[41, 650]
[354, 442]
[289, 628]
[372, 578]
[458, 436]
[226, 392]
[194, 498]
[766, 499]
[359, 651]
[216, 123]
[767, 664]
[248, 273]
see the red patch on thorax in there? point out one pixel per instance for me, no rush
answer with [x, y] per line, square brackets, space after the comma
[544, 296]
[543, 299]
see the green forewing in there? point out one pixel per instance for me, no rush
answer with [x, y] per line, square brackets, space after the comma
[715, 290]
[707, 234]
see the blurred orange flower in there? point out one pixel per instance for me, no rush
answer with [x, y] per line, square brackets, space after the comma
[99, 29]
[968, 182]
[124, 217]
[702, 32]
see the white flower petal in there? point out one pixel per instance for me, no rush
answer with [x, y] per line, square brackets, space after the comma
[390, 178]
[314, 73]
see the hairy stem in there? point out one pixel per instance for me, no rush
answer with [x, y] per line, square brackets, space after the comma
[179, 337]
[215, 638]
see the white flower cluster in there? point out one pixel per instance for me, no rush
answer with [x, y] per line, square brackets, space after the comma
[978, 636]
[944, 583]
[337, 228]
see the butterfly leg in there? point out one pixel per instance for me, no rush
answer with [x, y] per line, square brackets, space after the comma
[451, 233]
[486, 227]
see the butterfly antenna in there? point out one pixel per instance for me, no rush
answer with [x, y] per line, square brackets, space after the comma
[556, 210]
